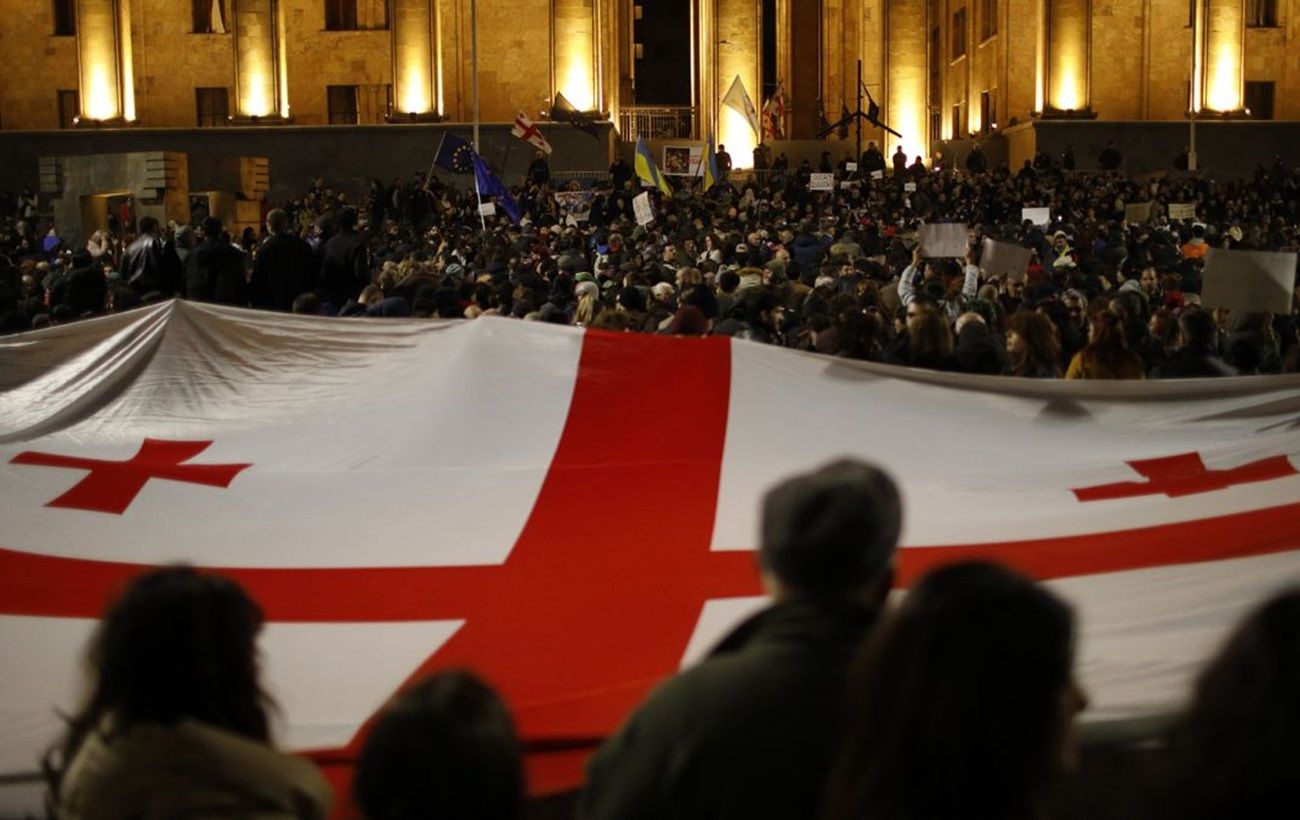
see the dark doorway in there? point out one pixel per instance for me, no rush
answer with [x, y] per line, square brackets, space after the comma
[769, 51]
[662, 32]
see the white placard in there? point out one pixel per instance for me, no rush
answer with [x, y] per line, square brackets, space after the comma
[821, 182]
[1005, 259]
[909, 187]
[877, 174]
[845, 185]
[645, 214]
[942, 240]
[1136, 213]
[487, 209]
[851, 167]
[1248, 281]
[1182, 210]
[1038, 216]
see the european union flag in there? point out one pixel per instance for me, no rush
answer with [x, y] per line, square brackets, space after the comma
[455, 155]
[489, 185]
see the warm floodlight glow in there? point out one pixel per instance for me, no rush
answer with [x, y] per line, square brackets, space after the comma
[97, 47]
[734, 131]
[574, 52]
[413, 56]
[1225, 31]
[255, 46]
[1068, 55]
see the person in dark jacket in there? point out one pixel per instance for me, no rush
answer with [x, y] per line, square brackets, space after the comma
[215, 271]
[750, 731]
[978, 350]
[150, 265]
[284, 267]
[83, 288]
[976, 162]
[1198, 356]
[345, 261]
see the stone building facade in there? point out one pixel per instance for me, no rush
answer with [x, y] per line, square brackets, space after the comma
[940, 69]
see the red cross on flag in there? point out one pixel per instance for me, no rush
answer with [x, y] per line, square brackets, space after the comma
[573, 513]
[528, 131]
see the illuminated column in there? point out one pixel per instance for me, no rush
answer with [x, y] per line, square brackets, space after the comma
[1067, 56]
[573, 54]
[1223, 36]
[739, 28]
[259, 69]
[413, 24]
[104, 61]
[905, 76]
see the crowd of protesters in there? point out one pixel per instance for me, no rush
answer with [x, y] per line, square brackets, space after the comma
[760, 257]
[960, 702]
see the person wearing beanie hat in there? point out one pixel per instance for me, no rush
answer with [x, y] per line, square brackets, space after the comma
[750, 731]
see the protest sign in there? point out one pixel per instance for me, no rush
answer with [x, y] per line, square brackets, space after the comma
[942, 239]
[821, 182]
[1005, 259]
[1038, 216]
[644, 212]
[1249, 281]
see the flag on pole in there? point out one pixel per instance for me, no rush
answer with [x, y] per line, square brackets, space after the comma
[564, 111]
[774, 115]
[528, 131]
[710, 168]
[646, 169]
[738, 99]
[454, 154]
[489, 184]
[845, 116]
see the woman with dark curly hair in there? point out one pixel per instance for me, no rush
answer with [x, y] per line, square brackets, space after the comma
[1236, 752]
[176, 721]
[1033, 349]
[962, 704]
[1106, 356]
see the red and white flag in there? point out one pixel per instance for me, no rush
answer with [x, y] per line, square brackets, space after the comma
[528, 131]
[520, 498]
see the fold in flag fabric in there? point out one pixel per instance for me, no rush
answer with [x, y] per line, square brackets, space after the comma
[710, 168]
[489, 184]
[647, 171]
[528, 131]
[564, 111]
[873, 116]
[245, 442]
[738, 99]
[454, 154]
[845, 119]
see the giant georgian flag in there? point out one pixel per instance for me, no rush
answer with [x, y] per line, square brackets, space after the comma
[574, 514]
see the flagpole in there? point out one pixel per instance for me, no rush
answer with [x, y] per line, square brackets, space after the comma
[473, 59]
[478, 199]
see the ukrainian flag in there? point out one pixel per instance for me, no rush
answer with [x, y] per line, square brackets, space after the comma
[647, 170]
[710, 166]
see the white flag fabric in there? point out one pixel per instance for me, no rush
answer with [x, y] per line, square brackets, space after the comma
[738, 99]
[527, 130]
[518, 498]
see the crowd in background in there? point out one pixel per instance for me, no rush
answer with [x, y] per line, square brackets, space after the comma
[760, 256]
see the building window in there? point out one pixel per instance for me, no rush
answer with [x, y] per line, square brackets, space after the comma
[209, 16]
[340, 15]
[65, 18]
[213, 105]
[959, 34]
[936, 122]
[342, 100]
[988, 18]
[957, 131]
[988, 110]
[1191, 13]
[1261, 13]
[69, 107]
[1259, 100]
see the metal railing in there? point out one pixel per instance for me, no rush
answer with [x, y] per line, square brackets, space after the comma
[657, 122]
